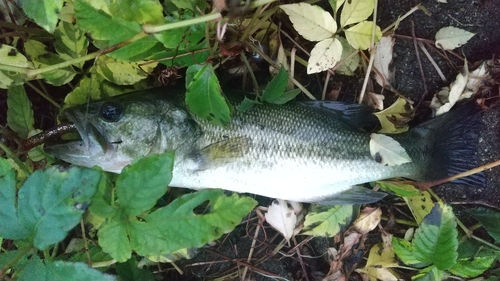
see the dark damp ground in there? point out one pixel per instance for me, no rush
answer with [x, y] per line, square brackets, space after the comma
[480, 17]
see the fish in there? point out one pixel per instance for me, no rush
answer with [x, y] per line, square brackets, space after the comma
[315, 151]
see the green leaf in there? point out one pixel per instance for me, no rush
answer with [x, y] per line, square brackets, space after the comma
[322, 221]
[355, 11]
[41, 57]
[400, 189]
[181, 38]
[489, 220]
[436, 239]
[129, 271]
[60, 271]
[394, 119]
[10, 56]
[430, 273]
[140, 11]
[123, 72]
[109, 30]
[349, 65]
[10, 226]
[114, 240]
[204, 95]
[247, 104]
[70, 42]
[43, 12]
[420, 205]
[101, 201]
[187, 222]
[275, 90]
[19, 113]
[142, 183]
[360, 35]
[473, 259]
[51, 202]
[403, 250]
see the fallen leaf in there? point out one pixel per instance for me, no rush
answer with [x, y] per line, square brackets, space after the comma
[324, 55]
[383, 57]
[374, 100]
[311, 22]
[283, 217]
[387, 151]
[379, 262]
[395, 118]
[368, 219]
[449, 38]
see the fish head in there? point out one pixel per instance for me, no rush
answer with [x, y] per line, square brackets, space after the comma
[115, 132]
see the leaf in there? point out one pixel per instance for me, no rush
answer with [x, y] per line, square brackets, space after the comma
[143, 182]
[473, 259]
[324, 55]
[430, 273]
[451, 97]
[383, 57]
[70, 42]
[283, 217]
[140, 11]
[122, 72]
[183, 225]
[403, 250]
[41, 57]
[311, 22]
[182, 38]
[107, 30]
[395, 118]
[449, 38]
[420, 205]
[204, 95]
[348, 65]
[275, 90]
[368, 219]
[360, 35]
[379, 262]
[436, 239]
[11, 57]
[336, 4]
[114, 240]
[50, 203]
[43, 12]
[387, 151]
[19, 113]
[129, 271]
[35, 269]
[400, 189]
[355, 11]
[328, 222]
[489, 220]
[247, 104]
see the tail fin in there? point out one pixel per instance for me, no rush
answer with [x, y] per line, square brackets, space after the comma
[453, 142]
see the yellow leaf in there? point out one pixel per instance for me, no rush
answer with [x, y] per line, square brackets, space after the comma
[360, 35]
[368, 219]
[122, 72]
[349, 65]
[324, 55]
[311, 22]
[379, 263]
[395, 118]
[420, 205]
[355, 11]
[335, 4]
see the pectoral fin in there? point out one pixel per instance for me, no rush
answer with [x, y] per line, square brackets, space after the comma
[220, 153]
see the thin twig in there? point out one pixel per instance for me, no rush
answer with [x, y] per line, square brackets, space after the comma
[421, 69]
[433, 62]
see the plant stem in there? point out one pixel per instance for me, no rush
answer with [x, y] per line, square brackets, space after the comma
[45, 96]
[12, 156]
[151, 29]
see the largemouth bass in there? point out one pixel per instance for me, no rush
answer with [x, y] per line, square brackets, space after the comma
[300, 151]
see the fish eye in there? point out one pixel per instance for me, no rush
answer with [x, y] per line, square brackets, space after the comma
[111, 112]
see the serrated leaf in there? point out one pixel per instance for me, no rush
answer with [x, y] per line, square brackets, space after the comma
[114, 240]
[489, 220]
[400, 189]
[473, 259]
[140, 11]
[44, 13]
[35, 269]
[420, 205]
[336, 4]
[311, 22]
[275, 90]
[204, 95]
[403, 250]
[130, 271]
[181, 38]
[430, 273]
[101, 200]
[360, 35]
[449, 38]
[41, 57]
[19, 112]
[436, 239]
[379, 262]
[180, 225]
[10, 56]
[355, 11]
[350, 65]
[143, 182]
[382, 60]
[387, 151]
[247, 104]
[50, 203]
[395, 118]
[70, 42]
[123, 72]
[328, 222]
[107, 30]
[324, 55]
